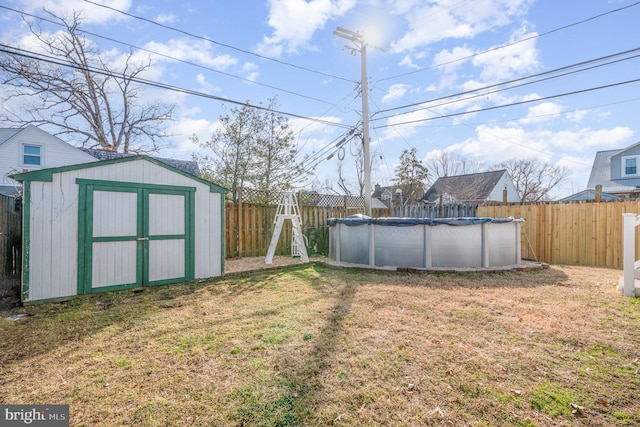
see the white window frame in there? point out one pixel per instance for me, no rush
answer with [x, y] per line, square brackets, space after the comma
[623, 166]
[23, 154]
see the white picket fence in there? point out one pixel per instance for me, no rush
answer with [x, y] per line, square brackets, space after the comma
[629, 285]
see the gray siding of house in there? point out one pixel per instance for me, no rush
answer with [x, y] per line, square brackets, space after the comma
[616, 166]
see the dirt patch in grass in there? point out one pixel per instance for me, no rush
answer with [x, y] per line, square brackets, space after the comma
[312, 345]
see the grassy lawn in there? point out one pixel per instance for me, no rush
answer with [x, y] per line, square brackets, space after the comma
[318, 346]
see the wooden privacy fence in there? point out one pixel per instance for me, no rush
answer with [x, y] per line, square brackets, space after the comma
[10, 244]
[447, 210]
[248, 229]
[585, 233]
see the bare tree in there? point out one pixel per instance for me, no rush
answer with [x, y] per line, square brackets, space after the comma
[451, 164]
[533, 179]
[74, 88]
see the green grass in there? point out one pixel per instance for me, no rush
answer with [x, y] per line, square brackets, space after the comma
[315, 346]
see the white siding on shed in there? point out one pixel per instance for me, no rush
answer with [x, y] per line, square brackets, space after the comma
[53, 226]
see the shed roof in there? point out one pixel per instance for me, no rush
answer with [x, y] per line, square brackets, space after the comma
[184, 165]
[47, 174]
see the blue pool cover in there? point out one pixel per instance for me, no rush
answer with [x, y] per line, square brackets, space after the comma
[407, 222]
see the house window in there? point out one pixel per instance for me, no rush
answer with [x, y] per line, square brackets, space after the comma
[630, 166]
[31, 155]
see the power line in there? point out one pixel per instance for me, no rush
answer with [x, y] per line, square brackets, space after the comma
[562, 113]
[464, 58]
[495, 107]
[50, 21]
[490, 134]
[520, 79]
[220, 44]
[44, 58]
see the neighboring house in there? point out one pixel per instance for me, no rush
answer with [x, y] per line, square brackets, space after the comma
[384, 194]
[30, 148]
[590, 195]
[390, 197]
[472, 188]
[618, 171]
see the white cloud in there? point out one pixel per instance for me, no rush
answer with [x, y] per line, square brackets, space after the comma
[90, 13]
[295, 21]
[542, 112]
[166, 18]
[432, 21]
[250, 70]
[395, 92]
[182, 147]
[502, 64]
[570, 148]
[587, 140]
[408, 62]
[198, 51]
[450, 59]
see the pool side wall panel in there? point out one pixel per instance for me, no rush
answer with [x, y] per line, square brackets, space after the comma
[478, 245]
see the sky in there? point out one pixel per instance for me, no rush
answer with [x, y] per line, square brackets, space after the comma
[491, 80]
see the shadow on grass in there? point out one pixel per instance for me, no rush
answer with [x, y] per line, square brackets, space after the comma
[303, 378]
[446, 280]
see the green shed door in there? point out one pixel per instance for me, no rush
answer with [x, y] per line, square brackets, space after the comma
[134, 235]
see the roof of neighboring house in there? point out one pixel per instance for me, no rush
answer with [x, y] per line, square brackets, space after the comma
[183, 165]
[589, 194]
[629, 148]
[481, 183]
[601, 174]
[10, 190]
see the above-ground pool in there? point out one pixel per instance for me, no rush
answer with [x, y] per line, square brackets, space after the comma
[426, 243]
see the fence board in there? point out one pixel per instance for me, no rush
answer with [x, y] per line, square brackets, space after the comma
[585, 233]
[10, 245]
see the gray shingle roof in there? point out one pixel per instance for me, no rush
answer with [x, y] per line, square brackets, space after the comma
[471, 187]
[587, 195]
[183, 165]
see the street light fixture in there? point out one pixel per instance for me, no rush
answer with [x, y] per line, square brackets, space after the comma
[357, 39]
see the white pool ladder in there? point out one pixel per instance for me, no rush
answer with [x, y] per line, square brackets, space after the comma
[288, 209]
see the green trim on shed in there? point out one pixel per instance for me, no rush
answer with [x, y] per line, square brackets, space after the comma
[87, 187]
[26, 239]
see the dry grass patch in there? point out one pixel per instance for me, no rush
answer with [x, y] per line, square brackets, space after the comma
[317, 346]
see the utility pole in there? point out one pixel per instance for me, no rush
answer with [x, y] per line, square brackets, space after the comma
[361, 46]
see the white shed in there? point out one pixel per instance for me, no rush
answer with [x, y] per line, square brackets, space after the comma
[115, 224]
